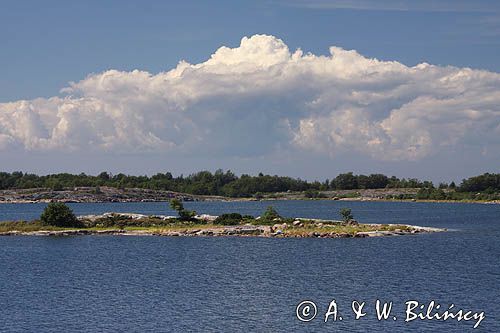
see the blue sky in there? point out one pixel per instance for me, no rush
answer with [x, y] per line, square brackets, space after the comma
[47, 44]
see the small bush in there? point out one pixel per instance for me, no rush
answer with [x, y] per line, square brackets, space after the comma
[313, 194]
[270, 215]
[346, 214]
[186, 215]
[59, 215]
[229, 219]
[431, 194]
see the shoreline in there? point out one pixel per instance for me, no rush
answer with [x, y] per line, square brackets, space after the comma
[300, 228]
[360, 199]
[135, 195]
[215, 232]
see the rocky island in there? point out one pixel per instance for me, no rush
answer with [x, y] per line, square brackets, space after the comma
[58, 220]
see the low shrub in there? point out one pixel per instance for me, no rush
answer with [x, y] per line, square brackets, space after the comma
[229, 219]
[270, 216]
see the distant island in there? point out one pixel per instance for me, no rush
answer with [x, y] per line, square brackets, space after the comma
[204, 185]
[58, 220]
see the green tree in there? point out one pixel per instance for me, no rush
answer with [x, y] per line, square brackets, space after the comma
[176, 205]
[59, 215]
[437, 194]
[346, 214]
[346, 181]
[104, 176]
[485, 182]
[270, 214]
[184, 215]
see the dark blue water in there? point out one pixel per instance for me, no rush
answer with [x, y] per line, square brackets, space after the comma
[165, 284]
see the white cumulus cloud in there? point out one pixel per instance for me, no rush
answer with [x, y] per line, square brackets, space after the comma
[261, 97]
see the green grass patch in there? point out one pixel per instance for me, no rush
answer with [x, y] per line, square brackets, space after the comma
[25, 226]
[344, 229]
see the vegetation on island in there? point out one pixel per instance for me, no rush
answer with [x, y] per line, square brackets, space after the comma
[57, 214]
[270, 215]
[57, 217]
[346, 214]
[482, 187]
[233, 219]
[184, 214]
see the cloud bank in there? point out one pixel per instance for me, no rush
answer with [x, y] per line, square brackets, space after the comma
[261, 97]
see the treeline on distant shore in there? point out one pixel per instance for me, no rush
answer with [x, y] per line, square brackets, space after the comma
[228, 184]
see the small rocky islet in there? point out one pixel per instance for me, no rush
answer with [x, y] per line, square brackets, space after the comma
[130, 224]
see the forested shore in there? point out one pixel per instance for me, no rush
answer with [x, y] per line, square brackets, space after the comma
[485, 187]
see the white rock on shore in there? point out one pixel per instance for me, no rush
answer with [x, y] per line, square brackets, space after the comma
[133, 216]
